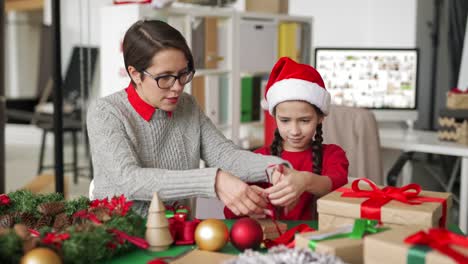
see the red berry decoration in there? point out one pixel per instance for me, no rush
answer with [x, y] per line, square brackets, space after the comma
[246, 233]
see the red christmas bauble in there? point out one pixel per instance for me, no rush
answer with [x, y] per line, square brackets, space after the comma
[246, 233]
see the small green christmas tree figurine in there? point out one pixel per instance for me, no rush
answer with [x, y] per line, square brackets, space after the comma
[157, 226]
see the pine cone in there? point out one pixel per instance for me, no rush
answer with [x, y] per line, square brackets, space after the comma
[45, 220]
[51, 208]
[28, 219]
[6, 221]
[62, 221]
[102, 213]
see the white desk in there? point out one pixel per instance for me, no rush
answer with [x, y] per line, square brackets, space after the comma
[427, 142]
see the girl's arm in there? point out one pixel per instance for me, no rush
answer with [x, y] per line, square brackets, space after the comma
[292, 183]
[217, 151]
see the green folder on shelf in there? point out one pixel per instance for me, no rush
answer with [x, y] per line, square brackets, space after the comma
[246, 99]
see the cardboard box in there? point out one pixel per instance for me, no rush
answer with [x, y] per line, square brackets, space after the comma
[270, 230]
[267, 6]
[335, 210]
[457, 100]
[202, 256]
[349, 250]
[389, 247]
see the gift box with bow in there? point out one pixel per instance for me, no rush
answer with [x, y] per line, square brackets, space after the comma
[411, 245]
[392, 206]
[345, 242]
[457, 99]
[272, 229]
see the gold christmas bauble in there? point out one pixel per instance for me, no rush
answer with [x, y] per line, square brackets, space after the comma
[41, 256]
[211, 234]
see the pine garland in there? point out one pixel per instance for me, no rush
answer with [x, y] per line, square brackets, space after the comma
[69, 227]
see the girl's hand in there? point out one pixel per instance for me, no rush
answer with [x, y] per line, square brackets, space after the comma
[238, 196]
[288, 187]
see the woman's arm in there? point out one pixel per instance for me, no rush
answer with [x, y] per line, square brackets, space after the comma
[118, 170]
[217, 151]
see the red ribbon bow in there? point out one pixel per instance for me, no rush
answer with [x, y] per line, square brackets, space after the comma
[458, 91]
[441, 240]
[122, 237]
[55, 239]
[4, 199]
[408, 194]
[286, 238]
[182, 231]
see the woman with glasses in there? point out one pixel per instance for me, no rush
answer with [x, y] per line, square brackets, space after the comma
[150, 136]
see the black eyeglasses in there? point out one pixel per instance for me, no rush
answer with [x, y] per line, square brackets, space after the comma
[167, 81]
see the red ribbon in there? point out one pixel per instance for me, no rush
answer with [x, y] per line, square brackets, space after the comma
[4, 199]
[122, 237]
[120, 2]
[441, 240]
[408, 194]
[458, 91]
[182, 231]
[34, 232]
[55, 239]
[286, 238]
[84, 214]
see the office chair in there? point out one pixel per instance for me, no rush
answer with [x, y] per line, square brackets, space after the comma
[356, 131]
[75, 87]
[76, 78]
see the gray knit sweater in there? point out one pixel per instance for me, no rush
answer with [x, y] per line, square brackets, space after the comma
[134, 157]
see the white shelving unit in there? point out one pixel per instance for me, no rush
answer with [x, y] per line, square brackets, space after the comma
[118, 18]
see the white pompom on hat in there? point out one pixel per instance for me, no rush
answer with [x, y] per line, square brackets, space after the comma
[290, 81]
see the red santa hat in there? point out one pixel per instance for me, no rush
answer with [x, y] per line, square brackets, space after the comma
[290, 81]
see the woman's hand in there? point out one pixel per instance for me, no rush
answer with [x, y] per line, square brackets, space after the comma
[238, 196]
[291, 184]
[288, 187]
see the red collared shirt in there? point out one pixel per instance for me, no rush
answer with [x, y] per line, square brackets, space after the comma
[144, 109]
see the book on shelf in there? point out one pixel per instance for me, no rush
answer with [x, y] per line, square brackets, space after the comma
[289, 40]
[250, 98]
[211, 42]
[223, 103]
[198, 42]
[198, 90]
[212, 97]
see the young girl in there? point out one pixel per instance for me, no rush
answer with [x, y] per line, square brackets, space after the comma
[296, 97]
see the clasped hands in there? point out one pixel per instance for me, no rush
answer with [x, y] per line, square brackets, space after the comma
[244, 199]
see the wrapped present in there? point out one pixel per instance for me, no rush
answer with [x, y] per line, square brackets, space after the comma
[393, 206]
[410, 245]
[272, 230]
[457, 99]
[345, 242]
[453, 125]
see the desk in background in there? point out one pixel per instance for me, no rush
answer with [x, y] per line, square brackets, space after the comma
[427, 142]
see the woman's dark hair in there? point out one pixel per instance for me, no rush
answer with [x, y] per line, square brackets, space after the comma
[276, 146]
[145, 38]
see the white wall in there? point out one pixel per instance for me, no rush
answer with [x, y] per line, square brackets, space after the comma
[80, 25]
[360, 23]
[463, 76]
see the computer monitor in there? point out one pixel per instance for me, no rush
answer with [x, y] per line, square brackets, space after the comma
[384, 80]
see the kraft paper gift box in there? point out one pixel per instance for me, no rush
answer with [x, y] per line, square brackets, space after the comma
[345, 242]
[390, 247]
[270, 230]
[457, 99]
[336, 210]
